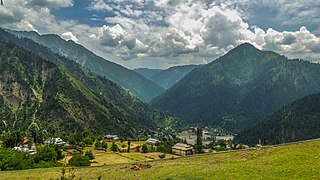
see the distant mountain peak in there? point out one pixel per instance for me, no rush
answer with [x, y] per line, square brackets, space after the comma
[246, 45]
[243, 48]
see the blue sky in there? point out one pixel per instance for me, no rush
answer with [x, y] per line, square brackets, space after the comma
[164, 33]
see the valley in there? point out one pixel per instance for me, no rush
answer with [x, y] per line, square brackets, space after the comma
[268, 162]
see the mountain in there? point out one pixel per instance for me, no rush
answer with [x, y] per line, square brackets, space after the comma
[240, 88]
[297, 121]
[138, 85]
[172, 75]
[146, 72]
[67, 97]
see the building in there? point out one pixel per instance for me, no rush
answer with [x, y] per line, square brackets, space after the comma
[152, 141]
[182, 149]
[55, 141]
[110, 138]
[24, 149]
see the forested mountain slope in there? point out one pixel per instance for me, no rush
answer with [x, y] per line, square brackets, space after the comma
[138, 85]
[240, 88]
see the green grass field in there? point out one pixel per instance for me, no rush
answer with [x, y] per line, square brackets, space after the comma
[297, 161]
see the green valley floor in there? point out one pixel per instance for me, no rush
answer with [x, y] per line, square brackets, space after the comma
[295, 161]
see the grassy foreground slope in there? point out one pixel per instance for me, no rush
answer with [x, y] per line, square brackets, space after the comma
[297, 161]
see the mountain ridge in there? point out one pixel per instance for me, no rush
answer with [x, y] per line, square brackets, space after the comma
[140, 114]
[138, 85]
[242, 87]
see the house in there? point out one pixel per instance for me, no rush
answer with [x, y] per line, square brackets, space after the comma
[152, 141]
[24, 149]
[55, 141]
[182, 149]
[110, 138]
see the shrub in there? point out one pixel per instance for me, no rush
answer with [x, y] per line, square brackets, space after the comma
[79, 160]
[138, 148]
[87, 141]
[46, 153]
[114, 147]
[15, 160]
[104, 145]
[48, 164]
[97, 145]
[144, 148]
[162, 156]
[89, 154]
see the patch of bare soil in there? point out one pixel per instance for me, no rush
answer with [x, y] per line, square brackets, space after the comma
[138, 167]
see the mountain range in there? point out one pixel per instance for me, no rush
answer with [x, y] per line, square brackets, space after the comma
[243, 87]
[62, 95]
[137, 84]
[148, 73]
[167, 77]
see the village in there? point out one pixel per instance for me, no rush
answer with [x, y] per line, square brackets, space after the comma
[112, 149]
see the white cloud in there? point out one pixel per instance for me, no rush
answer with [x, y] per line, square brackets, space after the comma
[100, 5]
[171, 32]
[69, 36]
[119, 42]
[297, 44]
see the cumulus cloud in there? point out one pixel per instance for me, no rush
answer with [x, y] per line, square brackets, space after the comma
[69, 36]
[100, 5]
[189, 30]
[173, 32]
[297, 44]
[118, 41]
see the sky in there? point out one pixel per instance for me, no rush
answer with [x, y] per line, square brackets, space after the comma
[165, 33]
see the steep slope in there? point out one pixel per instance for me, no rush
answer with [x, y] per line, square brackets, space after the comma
[34, 89]
[297, 121]
[138, 85]
[171, 76]
[138, 111]
[242, 87]
[148, 73]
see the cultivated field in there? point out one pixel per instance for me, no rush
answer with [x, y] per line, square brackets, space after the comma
[296, 161]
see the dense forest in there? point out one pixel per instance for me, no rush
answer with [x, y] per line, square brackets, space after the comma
[240, 88]
[297, 121]
[138, 85]
[36, 90]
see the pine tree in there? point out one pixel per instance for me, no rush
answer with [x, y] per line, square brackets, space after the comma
[198, 146]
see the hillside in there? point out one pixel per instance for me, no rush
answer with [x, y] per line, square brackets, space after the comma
[139, 112]
[240, 88]
[171, 76]
[297, 161]
[138, 85]
[61, 102]
[299, 120]
[148, 73]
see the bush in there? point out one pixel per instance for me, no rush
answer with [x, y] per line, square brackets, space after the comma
[97, 145]
[162, 156]
[79, 160]
[144, 148]
[138, 148]
[15, 160]
[87, 141]
[89, 154]
[44, 164]
[114, 147]
[104, 145]
[46, 153]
